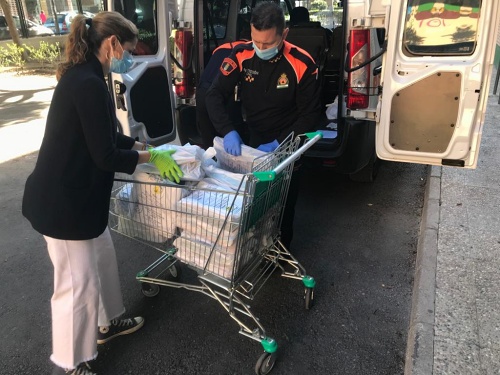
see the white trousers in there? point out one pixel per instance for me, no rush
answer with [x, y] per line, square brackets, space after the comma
[87, 294]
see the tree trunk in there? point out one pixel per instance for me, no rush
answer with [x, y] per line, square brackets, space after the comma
[53, 11]
[10, 22]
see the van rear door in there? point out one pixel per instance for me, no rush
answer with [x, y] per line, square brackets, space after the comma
[144, 98]
[435, 81]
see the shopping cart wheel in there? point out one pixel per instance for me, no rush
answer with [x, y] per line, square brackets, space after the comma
[150, 290]
[309, 297]
[175, 271]
[265, 363]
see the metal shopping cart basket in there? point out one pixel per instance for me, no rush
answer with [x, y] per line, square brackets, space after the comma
[229, 236]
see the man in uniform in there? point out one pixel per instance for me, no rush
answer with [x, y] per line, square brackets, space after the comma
[205, 126]
[278, 89]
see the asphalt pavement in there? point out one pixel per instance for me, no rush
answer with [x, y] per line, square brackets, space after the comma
[357, 240]
[455, 322]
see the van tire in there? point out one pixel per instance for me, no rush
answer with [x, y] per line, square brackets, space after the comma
[368, 173]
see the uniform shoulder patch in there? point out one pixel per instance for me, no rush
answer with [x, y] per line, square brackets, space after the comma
[227, 66]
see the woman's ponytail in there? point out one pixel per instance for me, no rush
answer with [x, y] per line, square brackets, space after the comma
[77, 45]
[87, 35]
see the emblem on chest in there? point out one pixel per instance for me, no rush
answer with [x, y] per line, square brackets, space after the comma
[282, 82]
[250, 75]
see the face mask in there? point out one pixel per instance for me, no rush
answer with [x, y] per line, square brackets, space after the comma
[266, 54]
[122, 65]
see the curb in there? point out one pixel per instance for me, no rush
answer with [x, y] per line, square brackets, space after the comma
[420, 342]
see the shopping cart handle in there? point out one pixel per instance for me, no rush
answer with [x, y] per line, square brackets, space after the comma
[311, 135]
[271, 175]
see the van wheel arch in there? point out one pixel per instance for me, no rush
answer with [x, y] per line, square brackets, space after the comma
[369, 172]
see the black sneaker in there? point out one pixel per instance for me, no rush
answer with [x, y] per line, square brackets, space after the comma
[81, 369]
[119, 327]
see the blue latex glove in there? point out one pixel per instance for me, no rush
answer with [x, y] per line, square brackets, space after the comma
[232, 143]
[269, 147]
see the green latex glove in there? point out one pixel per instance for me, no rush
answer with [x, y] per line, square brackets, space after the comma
[168, 168]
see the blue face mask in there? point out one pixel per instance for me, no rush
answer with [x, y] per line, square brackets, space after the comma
[122, 65]
[266, 54]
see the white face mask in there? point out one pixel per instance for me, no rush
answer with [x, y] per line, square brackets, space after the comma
[266, 54]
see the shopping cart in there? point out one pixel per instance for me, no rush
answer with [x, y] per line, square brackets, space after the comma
[230, 237]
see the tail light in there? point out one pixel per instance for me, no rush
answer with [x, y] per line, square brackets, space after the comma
[359, 80]
[64, 26]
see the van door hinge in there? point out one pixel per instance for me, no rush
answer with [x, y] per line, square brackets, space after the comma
[360, 22]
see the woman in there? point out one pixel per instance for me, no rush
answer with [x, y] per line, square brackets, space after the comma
[67, 196]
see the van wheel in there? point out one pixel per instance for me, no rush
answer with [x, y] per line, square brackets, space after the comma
[368, 173]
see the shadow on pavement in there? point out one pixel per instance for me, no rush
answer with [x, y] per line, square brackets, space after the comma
[20, 106]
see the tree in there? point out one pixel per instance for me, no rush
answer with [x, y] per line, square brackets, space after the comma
[10, 22]
[318, 5]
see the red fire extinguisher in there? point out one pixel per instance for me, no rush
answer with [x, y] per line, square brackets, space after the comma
[183, 67]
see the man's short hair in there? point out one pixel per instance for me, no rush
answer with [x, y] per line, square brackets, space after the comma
[266, 15]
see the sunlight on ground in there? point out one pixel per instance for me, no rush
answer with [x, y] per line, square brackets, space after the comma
[14, 99]
[21, 133]
[21, 139]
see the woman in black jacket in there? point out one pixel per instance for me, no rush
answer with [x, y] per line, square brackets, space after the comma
[67, 196]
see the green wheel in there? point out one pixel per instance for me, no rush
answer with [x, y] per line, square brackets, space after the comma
[265, 363]
[150, 290]
[309, 297]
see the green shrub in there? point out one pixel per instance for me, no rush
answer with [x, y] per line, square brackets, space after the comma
[4, 61]
[45, 54]
[12, 56]
[17, 56]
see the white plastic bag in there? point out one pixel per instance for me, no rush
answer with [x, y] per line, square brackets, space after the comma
[139, 220]
[220, 176]
[212, 201]
[219, 261]
[332, 110]
[147, 210]
[188, 157]
[198, 253]
[208, 230]
[237, 164]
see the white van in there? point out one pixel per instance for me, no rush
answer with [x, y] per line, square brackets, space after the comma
[408, 79]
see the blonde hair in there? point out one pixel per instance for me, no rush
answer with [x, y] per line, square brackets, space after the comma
[86, 37]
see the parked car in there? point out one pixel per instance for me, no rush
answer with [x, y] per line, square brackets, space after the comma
[64, 20]
[33, 28]
[61, 20]
[72, 14]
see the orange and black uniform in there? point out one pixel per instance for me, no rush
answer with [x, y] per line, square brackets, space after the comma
[205, 126]
[278, 96]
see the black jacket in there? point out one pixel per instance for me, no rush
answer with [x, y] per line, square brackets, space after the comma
[67, 195]
[278, 96]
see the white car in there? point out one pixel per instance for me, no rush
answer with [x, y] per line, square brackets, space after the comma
[33, 28]
[64, 19]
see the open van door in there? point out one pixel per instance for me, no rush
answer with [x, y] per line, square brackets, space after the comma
[144, 97]
[435, 80]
